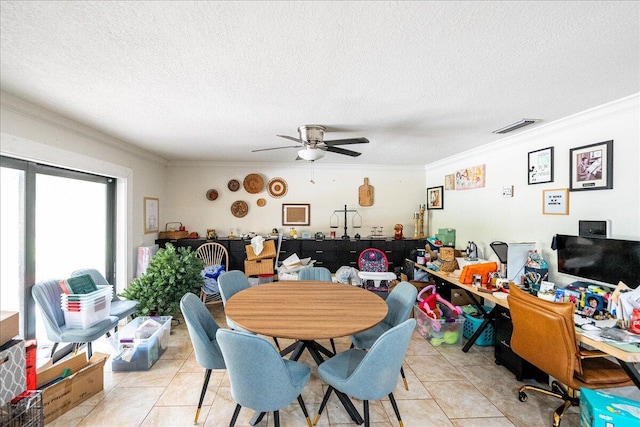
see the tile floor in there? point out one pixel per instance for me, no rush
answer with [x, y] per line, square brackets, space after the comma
[446, 388]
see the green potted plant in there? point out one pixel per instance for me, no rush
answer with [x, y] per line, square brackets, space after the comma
[171, 274]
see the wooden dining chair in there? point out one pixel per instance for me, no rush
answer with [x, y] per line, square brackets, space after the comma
[213, 254]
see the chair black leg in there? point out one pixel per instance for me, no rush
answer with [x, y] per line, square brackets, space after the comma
[207, 375]
[234, 418]
[53, 349]
[395, 409]
[365, 403]
[333, 346]
[404, 379]
[304, 411]
[325, 399]
[276, 418]
[89, 350]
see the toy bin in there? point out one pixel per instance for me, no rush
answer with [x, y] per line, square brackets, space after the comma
[445, 331]
[85, 310]
[471, 325]
[141, 343]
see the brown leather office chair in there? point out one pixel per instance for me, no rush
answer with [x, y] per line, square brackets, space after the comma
[544, 335]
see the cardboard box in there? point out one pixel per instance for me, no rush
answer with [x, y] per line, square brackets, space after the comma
[598, 409]
[268, 251]
[86, 379]
[12, 371]
[9, 326]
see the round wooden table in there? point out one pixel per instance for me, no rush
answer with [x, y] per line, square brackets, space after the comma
[307, 311]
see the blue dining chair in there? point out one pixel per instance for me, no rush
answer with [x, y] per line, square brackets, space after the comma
[47, 296]
[400, 303]
[260, 378]
[121, 308]
[368, 375]
[202, 331]
[321, 274]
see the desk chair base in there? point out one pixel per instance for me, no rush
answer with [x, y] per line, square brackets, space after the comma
[557, 390]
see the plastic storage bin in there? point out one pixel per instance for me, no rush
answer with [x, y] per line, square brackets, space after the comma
[85, 310]
[139, 354]
[438, 331]
[471, 325]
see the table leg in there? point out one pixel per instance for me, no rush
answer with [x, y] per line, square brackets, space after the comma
[631, 370]
[488, 318]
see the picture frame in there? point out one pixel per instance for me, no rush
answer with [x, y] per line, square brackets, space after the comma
[555, 201]
[435, 198]
[151, 214]
[450, 182]
[591, 167]
[296, 214]
[540, 166]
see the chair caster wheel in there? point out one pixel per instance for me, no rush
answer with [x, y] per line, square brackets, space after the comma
[522, 396]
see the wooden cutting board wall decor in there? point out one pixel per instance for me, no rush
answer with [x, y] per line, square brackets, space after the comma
[365, 194]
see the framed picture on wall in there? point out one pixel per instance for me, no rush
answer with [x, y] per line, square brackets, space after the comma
[591, 167]
[540, 166]
[296, 214]
[151, 214]
[435, 197]
[555, 202]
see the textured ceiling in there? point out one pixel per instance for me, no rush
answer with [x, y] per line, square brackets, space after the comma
[214, 80]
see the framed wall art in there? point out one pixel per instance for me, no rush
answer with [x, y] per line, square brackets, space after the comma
[435, 197]
[151, 215]
[296, 214]
[555, 202]
[540, 166]
[591, 167]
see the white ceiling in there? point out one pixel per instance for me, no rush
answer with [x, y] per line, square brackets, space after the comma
[214, 80]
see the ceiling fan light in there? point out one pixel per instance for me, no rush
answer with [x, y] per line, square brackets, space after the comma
[310, 154]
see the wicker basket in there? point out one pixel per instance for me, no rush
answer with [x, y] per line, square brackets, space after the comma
[173, 235]
[447, 254]
[258, 266]
[449, 266]
[268, 251]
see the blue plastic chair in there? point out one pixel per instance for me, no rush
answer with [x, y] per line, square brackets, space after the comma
[368, 375]
[400, 303]
[121, 308]
[230, 283]
[202, 330]
[47, 296]
[321, 274]
[261, 379]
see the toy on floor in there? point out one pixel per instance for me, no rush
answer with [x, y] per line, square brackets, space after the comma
[430, 305]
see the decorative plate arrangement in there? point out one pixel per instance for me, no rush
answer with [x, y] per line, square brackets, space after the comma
[261, 202]
[212, 194]
[253, 183]
[277, 187]
[239, 209]
[233, 185]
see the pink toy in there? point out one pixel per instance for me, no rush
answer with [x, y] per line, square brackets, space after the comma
[429, 306]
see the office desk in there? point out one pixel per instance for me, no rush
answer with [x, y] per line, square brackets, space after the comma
[626, 359]
[307, 311]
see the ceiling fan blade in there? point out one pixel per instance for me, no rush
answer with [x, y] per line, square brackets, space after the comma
[346, 152]
[274, 148]
[291, 138]
[346, 141]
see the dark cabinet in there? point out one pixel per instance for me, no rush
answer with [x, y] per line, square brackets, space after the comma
[331, 254]
[505, 356]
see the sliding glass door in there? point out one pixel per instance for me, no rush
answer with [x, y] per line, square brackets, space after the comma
[54, 221]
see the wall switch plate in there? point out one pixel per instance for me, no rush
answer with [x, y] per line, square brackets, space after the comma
[507, 191]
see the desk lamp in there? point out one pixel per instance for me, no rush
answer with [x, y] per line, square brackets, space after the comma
[501, 249]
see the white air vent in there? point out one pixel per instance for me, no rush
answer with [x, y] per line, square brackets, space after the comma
[516, 125]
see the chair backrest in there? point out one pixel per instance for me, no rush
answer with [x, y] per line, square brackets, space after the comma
[544, 334]
[213, 254]
[315, 273]
[97, 277]
[47, 296]
[202, 330]
[373, 259]
[257, 373]
[400, 303]
[232, 282]
[377, 374]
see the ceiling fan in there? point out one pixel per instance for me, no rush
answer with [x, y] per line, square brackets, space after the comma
[313, 143]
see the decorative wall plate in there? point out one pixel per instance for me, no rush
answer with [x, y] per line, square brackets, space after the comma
[212, 194]
[253, 183]
[261, 202]
[277, 187]
[239, 209]
[233, 185]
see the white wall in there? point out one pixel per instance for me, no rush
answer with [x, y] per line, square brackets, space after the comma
[483, 215]
[398, 192]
